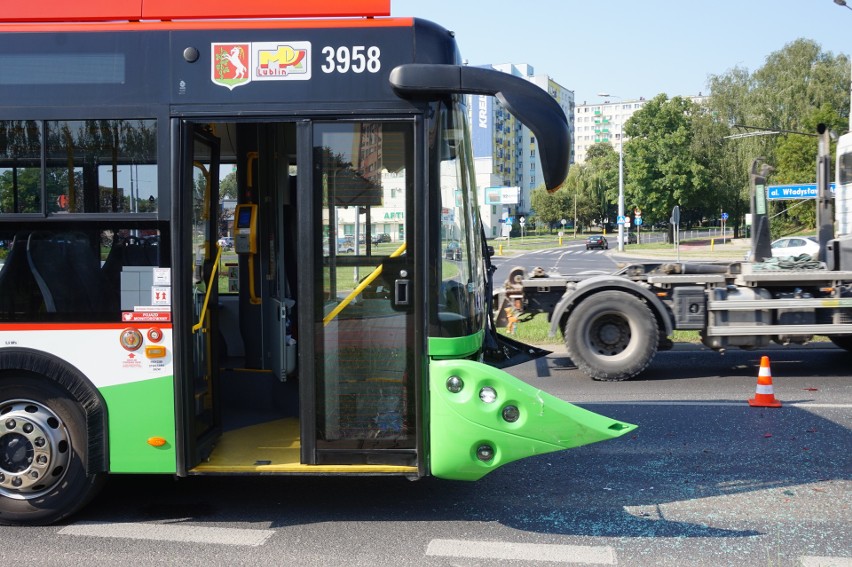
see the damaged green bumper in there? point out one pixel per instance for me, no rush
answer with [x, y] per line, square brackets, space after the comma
[482, 418]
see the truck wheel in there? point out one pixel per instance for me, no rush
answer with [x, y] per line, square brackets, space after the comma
[43, 446]
[611, 336]
[843, 341]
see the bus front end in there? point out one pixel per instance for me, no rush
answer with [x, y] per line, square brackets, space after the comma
[481, 417]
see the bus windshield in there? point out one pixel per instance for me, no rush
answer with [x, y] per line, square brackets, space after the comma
[461, 288]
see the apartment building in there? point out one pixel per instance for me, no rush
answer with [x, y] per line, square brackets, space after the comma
[505, 151]
[602, 122]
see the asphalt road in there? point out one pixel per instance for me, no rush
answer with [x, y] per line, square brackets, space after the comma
[572, 258]
[706, 480]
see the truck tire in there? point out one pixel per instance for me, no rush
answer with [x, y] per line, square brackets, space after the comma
[843, 341]
[43, 449]
[611, 336]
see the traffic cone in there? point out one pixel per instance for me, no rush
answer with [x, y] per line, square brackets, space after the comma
[764, 397]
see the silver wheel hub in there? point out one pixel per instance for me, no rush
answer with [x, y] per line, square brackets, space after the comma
[35, 449]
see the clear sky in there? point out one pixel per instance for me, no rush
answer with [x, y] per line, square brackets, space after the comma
[634, 49]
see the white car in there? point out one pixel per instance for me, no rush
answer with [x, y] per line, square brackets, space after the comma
[795, 245]
[226, 242]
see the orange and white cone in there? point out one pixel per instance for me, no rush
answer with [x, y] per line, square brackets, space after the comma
[764, 397]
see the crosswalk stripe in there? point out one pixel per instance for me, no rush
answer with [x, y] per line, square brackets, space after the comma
[169, 532]
[584, 554]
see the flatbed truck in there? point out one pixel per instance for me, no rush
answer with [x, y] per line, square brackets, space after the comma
[613, 325]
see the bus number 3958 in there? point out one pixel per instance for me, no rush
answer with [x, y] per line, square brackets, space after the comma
[356, 59]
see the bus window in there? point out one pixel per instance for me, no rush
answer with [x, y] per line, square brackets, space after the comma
[71, 275]
[101, 166]
[20, 168]
[462, 279]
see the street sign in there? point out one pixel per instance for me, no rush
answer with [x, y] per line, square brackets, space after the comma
[724, 216]
[800, 191]
[675, 215]
[638, 221]
[620, 219]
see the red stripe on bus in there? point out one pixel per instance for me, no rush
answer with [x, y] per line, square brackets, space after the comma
[112, 10]
[78, 326]
[208, 25]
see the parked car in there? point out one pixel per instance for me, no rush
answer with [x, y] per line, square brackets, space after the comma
[226, 242]
[632, 238]
[345, 245]
[383, 237]
[596, 241]
[794, 246]
[453, 250]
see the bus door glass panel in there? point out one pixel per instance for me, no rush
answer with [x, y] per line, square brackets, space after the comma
[363, 309]
[462, 277]
[204, 198]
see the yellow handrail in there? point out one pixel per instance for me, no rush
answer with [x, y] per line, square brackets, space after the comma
[359, 288]
[200, 323]
[253, 298]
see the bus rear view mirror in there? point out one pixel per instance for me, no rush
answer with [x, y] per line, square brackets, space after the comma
[530, 104]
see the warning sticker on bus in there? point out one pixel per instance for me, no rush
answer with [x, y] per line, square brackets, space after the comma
[146, 316]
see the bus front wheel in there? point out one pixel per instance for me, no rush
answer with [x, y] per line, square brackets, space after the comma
[43, 447]
[611, 336]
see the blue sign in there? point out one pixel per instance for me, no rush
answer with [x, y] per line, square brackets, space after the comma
[801, 191]
[724, 216]
[481, 119]
[620, 220]
[637, 221]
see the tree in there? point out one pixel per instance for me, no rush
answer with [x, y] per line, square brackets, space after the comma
[798, 87]
[659, 157]
[603, 180]
[228, 186]
[550, 208]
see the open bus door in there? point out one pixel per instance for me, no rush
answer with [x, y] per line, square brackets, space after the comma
[316, 281]
[199, 193]
[362, 297]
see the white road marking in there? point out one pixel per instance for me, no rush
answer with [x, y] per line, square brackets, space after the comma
[804, 405]
[813, 561]
[585, 554]
[169, 532]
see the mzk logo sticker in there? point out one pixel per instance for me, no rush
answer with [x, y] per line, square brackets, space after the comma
[237, 64]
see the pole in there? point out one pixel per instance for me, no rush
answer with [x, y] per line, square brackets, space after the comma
[620, 175]
[575, 213]
[620, 187]
[824, 208]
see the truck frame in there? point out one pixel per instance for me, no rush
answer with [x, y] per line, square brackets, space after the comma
[613, 325]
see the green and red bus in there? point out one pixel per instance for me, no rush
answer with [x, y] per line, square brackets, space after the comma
[223, 233]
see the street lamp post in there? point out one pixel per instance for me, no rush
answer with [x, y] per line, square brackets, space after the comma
[620, 178]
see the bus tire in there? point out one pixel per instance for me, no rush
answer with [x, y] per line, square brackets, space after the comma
[843, 341]
[611, 336]
[43, 449]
